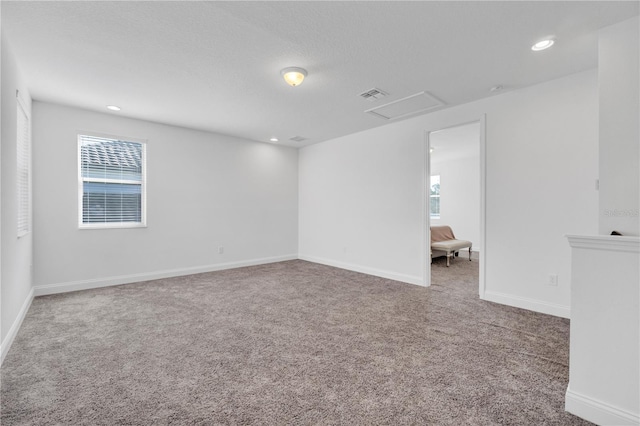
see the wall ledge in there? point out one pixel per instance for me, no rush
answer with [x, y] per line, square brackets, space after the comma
[605, 242]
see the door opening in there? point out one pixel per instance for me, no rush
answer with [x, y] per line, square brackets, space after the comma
[455, 196]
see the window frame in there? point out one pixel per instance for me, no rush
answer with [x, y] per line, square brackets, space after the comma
[142, 183]
[431, 215]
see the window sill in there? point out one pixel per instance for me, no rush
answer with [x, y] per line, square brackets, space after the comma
[112, 226]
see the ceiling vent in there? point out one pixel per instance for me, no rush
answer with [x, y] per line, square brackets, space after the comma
[298, 139]
[373, 94]
[414, 104]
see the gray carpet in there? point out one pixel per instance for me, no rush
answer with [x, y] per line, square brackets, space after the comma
[287, 343]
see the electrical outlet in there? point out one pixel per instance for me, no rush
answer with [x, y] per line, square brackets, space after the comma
[553, 280]
[220, 250]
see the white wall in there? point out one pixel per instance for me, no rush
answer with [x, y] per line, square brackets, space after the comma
[16, 253]
[361, 204]
[460, 197]
[604, 364]
[604, 370]
[619, 128]
[203, 191]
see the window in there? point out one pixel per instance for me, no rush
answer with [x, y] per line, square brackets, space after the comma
[434, 197]
[111, 182]
[23, 166]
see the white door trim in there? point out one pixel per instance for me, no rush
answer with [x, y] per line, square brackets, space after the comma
[426, 257]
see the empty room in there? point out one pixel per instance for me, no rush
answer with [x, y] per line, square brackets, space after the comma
[221, 212]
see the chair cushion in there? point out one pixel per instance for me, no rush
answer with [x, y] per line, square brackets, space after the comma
[450, 245]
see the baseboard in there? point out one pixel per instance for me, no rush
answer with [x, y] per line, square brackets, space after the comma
[529, 304]
[42, 290]
[597, 412]
[13, 331]
[365, 270]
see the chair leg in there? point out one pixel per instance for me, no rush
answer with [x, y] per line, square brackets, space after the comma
[469, 253]
[448, 258]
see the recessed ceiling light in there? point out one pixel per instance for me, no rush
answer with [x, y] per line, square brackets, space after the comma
[543, 44]
[431, 149]
[274, 139]
[113, 107]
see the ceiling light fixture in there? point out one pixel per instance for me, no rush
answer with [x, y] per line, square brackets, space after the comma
[431, 150]
[274, 139]
[543, 44]
[113, 107]
[293, 75]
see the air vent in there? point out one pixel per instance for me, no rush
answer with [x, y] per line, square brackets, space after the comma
[298, 139]
[411, 105]
[373, 94]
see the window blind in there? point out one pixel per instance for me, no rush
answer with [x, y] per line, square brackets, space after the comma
[23, 166]
[112, 180]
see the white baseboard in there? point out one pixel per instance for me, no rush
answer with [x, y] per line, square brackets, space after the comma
[526, 303]
[365, 270]
[13, 331]
[42, 290]
[598, 412]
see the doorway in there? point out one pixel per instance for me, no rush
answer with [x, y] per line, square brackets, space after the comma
[455, 190]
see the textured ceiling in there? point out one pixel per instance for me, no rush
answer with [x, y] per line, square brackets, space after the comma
[215, 65]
